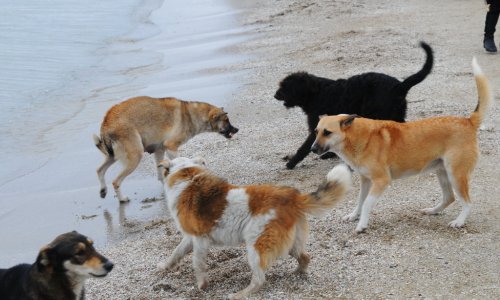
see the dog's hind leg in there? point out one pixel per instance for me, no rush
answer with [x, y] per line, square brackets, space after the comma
[460, 183]
[378, 186]
[184, 248]
[258, 275]
[200, 252]
[101, 172]
[159, 156]
[298, 248]
[448, 196]
[363, 192]
[130, 160]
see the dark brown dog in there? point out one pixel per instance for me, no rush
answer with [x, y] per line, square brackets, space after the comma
[59, 272]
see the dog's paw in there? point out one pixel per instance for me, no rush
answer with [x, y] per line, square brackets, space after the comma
[124, 200]
[203, 284]
[290, 165]
[456, 224]
[235, 296]
[166, 266]
[103, 192]
[429, 211]
[350, 217]
[163, 266]
[360, 229]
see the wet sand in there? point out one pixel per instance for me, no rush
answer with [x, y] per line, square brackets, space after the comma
[49, 184]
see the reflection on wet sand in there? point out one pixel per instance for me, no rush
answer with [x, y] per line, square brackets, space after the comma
[123, 225]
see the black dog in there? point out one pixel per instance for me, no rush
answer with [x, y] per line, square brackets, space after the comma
[370, 95]
[58, 273]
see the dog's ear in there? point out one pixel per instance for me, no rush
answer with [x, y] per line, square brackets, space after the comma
[199, 160]
[348, 121]
[215, 114]
[44, 260]
[165, 167]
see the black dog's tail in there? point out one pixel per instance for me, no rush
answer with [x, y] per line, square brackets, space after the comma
[408, 83]
[104, 145]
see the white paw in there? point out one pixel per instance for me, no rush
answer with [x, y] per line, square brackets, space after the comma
[124, 200]
[429, 211]
[202, 284]
[456, 224]
[163, 266]
[234, 296]
[350, 217]
[360, 229]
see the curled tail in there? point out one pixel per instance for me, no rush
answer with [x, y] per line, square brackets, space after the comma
[484, 93]
[408, 83]
[338, 182]
[104, 145]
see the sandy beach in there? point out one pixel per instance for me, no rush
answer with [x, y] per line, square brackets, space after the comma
[403, 254]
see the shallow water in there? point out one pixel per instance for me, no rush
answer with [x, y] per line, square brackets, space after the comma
[64, 63]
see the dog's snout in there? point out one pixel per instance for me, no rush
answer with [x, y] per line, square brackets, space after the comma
[315, 148]
[108, 266]
[235, 130]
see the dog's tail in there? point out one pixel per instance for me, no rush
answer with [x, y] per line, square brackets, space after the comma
[484, 93]
[104, 144]
[337, 184]
[408, 83]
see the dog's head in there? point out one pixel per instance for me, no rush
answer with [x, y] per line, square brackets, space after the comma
[296, 89]
[168, 166]
[73, 254]
[330, 132]
[219, 122]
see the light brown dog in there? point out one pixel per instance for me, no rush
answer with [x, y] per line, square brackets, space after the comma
[270, 220]
[384, 150]
[153, 125]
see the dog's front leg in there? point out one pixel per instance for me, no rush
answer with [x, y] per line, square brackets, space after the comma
[184, 247]
[200, 252]
[159, 156]
[363, 192]
[376, 190]
[302, 152]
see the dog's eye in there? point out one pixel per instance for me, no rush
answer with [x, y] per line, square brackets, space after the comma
[80, 253]
[326, 132]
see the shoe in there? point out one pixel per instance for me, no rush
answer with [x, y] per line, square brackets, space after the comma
[489, 44]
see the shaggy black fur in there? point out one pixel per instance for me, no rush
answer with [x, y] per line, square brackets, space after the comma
[370, 95]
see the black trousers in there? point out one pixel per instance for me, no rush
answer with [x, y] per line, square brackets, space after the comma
[491, 18]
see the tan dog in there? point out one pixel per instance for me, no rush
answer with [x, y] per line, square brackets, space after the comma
[384, 150]
[270, 220]
[153, 125]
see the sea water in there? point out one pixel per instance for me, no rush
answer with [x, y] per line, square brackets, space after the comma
[63, 63]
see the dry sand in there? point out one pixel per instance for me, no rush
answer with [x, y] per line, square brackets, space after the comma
[403, 254]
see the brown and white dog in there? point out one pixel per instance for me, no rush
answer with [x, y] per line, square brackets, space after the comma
[270, 220]
[384, 150]
[153, 125]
